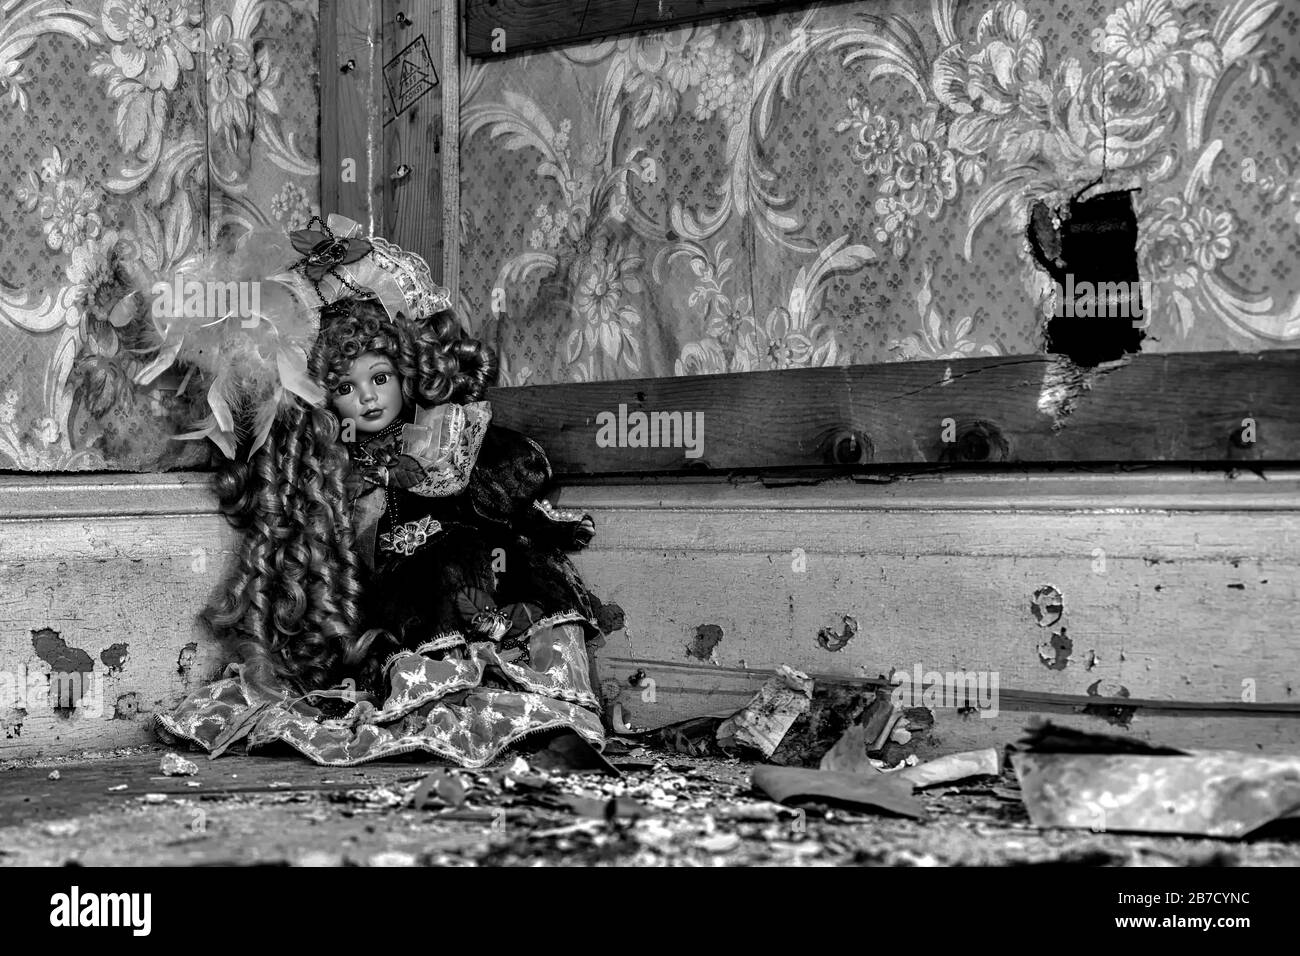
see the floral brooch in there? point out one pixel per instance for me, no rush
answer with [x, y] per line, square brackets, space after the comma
[408, 538]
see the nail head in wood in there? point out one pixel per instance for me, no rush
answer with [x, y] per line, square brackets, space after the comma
[348, 67]
[977, 441]
[845, 445]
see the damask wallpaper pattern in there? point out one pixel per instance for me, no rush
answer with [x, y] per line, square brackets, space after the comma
[137, 134]
[853, 183]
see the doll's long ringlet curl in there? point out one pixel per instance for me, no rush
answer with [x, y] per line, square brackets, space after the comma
[292, 608]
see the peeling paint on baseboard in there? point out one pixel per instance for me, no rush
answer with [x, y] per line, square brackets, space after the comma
[1055, 652]
[1117, 714]
[829, 640]
[114, 657]
[1047, 605]
[185, 662]
[705, 643]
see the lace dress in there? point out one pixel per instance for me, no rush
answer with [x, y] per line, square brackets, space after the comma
[465, 565]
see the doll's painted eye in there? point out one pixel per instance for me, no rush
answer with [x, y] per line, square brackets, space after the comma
[381, 378]
[343, 389]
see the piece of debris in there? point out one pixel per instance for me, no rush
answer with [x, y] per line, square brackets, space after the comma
[719, 843]
[393, 858]
[570, 752]
[174, 765]
[62, 828]
[851, 791]
[954, 767]
[55, 775]
[115, 789]
[849, 755]
[439, 788]
[155, 798]
[193, 783]
[763, 722]
[1105, 782]
[320, 858]
[1220, 794]
[1043, 736]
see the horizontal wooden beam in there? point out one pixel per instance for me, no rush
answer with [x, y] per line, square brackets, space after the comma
[1040, 409]
[502, 27]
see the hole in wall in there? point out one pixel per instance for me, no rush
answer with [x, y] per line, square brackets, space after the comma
[1089, 248]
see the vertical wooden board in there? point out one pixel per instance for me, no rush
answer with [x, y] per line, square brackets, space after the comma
[413, 74]
[352, 105]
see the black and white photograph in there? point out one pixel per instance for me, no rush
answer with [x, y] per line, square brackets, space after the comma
[643, 434]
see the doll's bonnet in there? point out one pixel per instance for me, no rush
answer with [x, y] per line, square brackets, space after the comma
[256, 358]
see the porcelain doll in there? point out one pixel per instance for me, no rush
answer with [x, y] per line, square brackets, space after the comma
[401, 585]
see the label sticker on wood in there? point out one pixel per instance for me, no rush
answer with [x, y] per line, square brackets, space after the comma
[409, 76]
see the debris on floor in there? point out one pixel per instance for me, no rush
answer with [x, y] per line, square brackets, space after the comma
[174, 765]
[1103, 782]
[762, 723]
[652, 805]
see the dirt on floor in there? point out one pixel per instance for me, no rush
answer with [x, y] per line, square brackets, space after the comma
[118, 808]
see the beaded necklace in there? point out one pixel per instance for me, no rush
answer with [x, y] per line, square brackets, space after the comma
[363, 455]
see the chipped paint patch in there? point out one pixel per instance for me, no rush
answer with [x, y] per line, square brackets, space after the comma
[1093, 660]
[67, 665]
[126, 707]
[705, 642]
[1055, 652]
[828, 640]
[1117, 714]
[114, 657]
[185, 661]
[1047, 605]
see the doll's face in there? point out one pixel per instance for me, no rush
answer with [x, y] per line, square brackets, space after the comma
[370, 394]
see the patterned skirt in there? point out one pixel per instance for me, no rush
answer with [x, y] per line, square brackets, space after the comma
[455, 699]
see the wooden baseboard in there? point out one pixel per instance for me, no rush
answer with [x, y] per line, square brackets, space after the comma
[1179, 593]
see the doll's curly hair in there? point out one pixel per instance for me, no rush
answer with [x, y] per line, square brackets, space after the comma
[293, 608]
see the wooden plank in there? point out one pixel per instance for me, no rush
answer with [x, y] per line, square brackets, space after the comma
[1164, 407]
[530, 24]
[413, 128]
[353, 161]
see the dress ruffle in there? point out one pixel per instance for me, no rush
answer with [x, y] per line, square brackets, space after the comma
[437, 702]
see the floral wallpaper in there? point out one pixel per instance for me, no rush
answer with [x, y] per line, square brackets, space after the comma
[137, 135]
[853, 183]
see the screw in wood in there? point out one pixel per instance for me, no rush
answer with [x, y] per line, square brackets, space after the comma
[403, 20]
[348, 67]
[401, 172]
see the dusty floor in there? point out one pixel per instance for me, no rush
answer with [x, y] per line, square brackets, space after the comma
[115, 809]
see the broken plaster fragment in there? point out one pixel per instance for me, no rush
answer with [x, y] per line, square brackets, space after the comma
[55, 775]
[174, 765]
